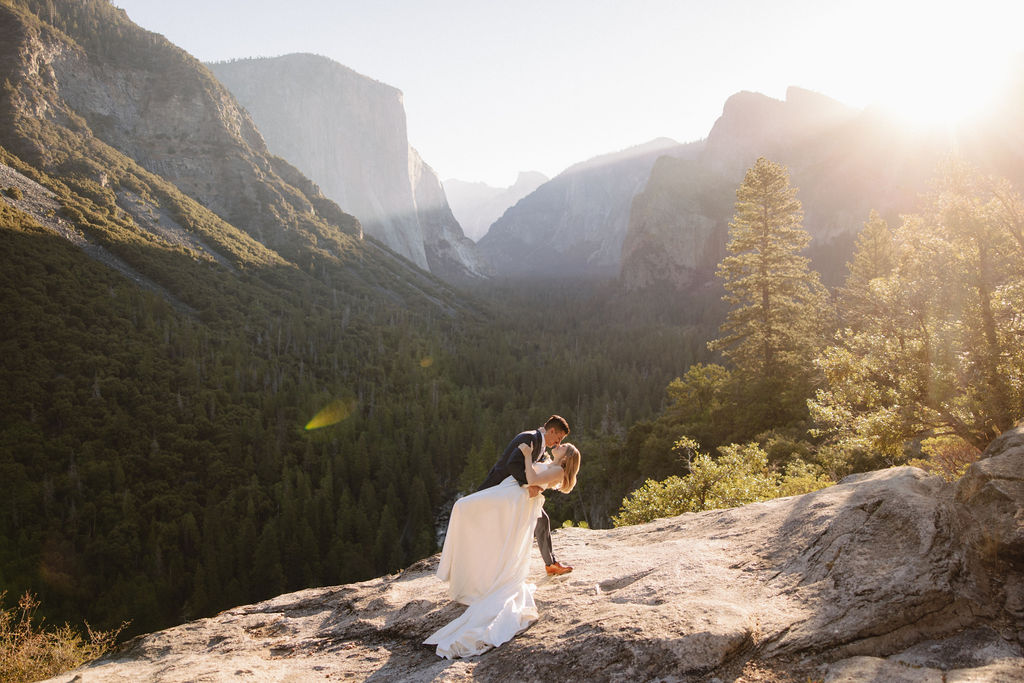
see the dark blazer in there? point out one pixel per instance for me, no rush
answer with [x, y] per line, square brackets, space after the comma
[512, 462]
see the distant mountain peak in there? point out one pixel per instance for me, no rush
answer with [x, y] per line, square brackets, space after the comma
[575, 223]
[478, 205]
[644, 149]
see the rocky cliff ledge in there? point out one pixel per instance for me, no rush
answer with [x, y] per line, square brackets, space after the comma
[889, 576]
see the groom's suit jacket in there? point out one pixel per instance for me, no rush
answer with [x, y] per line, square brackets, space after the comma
[512, 461]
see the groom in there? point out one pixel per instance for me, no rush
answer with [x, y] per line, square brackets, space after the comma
[512, 462]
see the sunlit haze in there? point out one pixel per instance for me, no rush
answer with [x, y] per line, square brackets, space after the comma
[492, 89]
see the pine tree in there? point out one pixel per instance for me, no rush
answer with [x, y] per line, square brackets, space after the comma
[874, 258]
[773, 329]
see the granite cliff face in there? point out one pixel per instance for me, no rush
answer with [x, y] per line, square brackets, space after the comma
[678, 226]
[575, 224]
[477, 205]
[450, 254]
[890, 576]
[151, 154]
[753, 125]
[347, 132]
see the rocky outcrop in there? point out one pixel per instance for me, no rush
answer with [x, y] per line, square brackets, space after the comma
[575, 223]
[753, 125]
[347, 132]
[892, 575]
[478, 205]
[450, 254]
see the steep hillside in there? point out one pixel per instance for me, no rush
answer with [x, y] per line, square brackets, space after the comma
[348, 133]
[575, 223]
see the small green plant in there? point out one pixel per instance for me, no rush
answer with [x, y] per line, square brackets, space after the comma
[28, 652]
[13, 192]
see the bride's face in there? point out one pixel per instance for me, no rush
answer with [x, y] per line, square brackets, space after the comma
[558, 454]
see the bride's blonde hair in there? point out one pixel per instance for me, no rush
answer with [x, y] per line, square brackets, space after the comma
[571, 465]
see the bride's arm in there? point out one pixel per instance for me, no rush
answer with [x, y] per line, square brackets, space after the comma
[548, 477]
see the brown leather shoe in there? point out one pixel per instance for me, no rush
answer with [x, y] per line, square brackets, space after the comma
[557, 569]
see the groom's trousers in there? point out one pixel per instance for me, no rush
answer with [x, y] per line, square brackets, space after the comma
[542, 532]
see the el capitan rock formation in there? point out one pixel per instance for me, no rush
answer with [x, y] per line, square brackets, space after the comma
[347, 132]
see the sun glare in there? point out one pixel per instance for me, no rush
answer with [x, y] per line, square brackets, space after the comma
[945, 89]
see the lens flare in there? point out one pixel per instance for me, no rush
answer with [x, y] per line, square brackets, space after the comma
[426, 362]
[333, 413]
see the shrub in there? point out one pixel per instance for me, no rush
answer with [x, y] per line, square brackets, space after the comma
[30, 653]
[582, 524]
[740, 475]
[13, 192]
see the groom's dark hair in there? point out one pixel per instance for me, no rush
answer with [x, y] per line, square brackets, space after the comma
[557, 422]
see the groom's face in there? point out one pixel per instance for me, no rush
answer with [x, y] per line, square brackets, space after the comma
[553, 437]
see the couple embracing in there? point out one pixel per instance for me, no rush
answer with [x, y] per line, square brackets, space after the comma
[486, 553]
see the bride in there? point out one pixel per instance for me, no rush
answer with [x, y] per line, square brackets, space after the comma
[486, 554]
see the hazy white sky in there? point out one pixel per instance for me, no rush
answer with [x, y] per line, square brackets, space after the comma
[495, 87]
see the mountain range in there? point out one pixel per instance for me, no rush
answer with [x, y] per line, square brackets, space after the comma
[656, 213]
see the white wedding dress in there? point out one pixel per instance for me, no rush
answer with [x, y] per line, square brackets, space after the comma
[486, 560]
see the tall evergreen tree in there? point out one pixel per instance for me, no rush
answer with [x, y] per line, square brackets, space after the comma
[874, 258]
[773, 330]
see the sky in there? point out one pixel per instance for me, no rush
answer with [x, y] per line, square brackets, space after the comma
[494, 87]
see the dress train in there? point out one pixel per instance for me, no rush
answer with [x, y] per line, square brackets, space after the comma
[486, 560]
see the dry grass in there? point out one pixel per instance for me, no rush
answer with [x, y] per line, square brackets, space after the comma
[29, 652]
